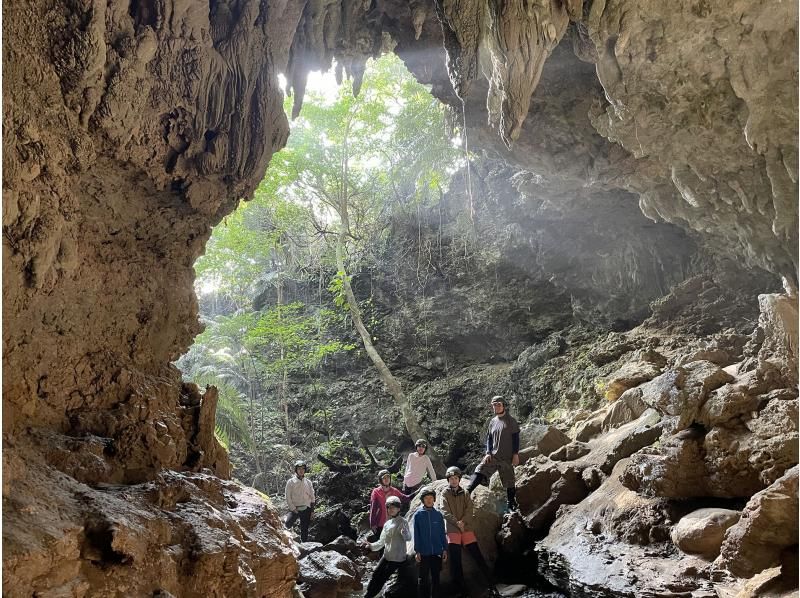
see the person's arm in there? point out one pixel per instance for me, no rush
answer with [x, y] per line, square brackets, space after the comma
[443, 538]
[380, 542]
[468, 513]
[374, 511]
[417, 535]
[406, 498]
[313, 494]
[447, 513]
[289, 499]
[515, 444]
[405, 531]
[429, 467]
[489, 441]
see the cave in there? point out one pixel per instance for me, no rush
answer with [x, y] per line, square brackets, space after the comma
[647, 155]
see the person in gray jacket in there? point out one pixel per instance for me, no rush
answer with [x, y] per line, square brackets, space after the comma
[394, 536]
[502, 452]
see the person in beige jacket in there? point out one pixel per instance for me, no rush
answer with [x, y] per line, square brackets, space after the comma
[457, 509]
[300, 499]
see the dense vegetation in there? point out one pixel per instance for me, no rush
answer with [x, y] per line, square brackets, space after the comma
[274, 284]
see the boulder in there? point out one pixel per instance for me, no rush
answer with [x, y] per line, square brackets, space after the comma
[629, 376]
[571, 451]
[329, 523]
[621, 442]
[543, 439]
[768, 525]
[592, 426]
[628, 407]
[543, 486]
[513, 534]
[734, 461]
[328, 574]
[682, 391]
[702, 531]
[613, 544]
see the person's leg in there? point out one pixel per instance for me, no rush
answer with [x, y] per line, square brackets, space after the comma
[511, 498]
[305, 519]
[424, 582]
[436, 569]
[482, 474]
[456, 566]
[290, 519]
[379, 577]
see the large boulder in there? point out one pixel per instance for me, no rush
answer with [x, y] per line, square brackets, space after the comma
[328, 574]
[628, 407]
[768, 525]
[702, 531]
[543, 486]
[629, 376]
[614, 543]
[622, 442]
[570, 452]
[683, 390]
[779, 321]
[540, 439]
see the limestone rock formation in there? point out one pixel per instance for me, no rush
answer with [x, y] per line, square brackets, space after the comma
[618, 547]
[702, 531]
[767, 527]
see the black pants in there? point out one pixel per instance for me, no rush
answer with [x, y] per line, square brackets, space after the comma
[305, 519]
[456, 563]
[429, 569]
[383, 572]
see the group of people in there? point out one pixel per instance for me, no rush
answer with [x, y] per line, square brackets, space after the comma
[438, 533]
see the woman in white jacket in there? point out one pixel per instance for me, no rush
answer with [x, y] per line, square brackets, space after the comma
[417, 465]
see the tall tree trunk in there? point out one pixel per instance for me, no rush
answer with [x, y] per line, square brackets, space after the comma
[392, 385]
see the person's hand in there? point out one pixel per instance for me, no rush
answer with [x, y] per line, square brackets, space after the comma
[487, 459]
[460, 525]
[418, 557]
[444, 556]
[515, 460]
[365, 543]
[294, 510]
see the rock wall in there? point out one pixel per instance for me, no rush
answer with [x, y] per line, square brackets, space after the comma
[131, 128]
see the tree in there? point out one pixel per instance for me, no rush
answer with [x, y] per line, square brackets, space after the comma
[354, 160]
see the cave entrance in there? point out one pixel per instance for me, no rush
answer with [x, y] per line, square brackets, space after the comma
[278, 332]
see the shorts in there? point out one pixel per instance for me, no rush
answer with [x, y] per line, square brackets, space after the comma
[463, 538]
[504, 467]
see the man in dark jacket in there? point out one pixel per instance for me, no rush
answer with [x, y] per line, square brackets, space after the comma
[502, 452]
[430, 544]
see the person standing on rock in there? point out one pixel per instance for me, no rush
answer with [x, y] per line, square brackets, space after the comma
[300, 499]
[457, 509]
[430, 544]
[417, 465]
[377, 502]
[502, 452]
[394, 536]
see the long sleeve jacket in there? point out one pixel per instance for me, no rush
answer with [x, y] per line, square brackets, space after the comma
[377, 504]
[299, 493]
[416, 467]
[429, 535]
[457, 506]
[394, 536]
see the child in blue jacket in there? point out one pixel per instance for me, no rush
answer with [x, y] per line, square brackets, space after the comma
[430, 544]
